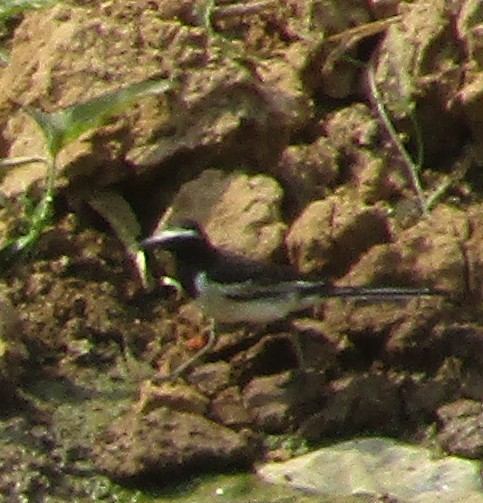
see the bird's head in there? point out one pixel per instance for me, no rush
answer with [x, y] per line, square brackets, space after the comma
[185, 237]
[190, 247]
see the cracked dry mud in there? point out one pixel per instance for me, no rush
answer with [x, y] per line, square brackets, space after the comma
[272, 141]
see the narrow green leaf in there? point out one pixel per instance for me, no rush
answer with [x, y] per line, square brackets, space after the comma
[117, 211]
[123, 221]
[52, 126]
[63, 126]
[93, 113]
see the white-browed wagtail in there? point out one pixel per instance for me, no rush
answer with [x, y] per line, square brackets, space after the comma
[232, 289]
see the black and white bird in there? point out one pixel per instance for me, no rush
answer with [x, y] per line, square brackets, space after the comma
[232, 289]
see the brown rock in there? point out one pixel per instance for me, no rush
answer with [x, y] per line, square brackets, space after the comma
[462, 428]
[13, 353]
[306, 347]
[275, 401]
[373, 178]
[474, 254]
[210, 378]
[319, 343]
[402, 75]
[334, 76]
[196, 198]
[464, 341]
[52, 78]
[429, 254]
[471, 97]
[355, 403]
[272, 354]
[307, 170]
[247, 219]
[220, 102]
[422, 395]
[239, 212]
[228, 408]
[174, 396]
[411, 333]
[270, 401]
[469, 28]
[472, 385]
[352, 127]
[335, 231]
[384, 8]
[166, 442]
[217, 100]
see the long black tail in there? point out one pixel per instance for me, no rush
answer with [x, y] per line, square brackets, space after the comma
[368, 293]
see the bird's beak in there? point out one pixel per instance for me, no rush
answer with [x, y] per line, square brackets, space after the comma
[168, 237]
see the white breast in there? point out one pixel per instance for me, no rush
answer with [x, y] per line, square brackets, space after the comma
[212, 300]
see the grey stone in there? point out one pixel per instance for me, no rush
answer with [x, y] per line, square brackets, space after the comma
[380, 467]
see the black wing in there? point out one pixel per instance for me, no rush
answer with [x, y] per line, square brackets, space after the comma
[233, 268]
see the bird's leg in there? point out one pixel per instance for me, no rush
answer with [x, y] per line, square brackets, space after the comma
[174, 374]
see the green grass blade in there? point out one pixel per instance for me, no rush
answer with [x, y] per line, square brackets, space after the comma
[9, 8]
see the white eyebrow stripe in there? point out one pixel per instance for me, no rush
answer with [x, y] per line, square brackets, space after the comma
[168, 234]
